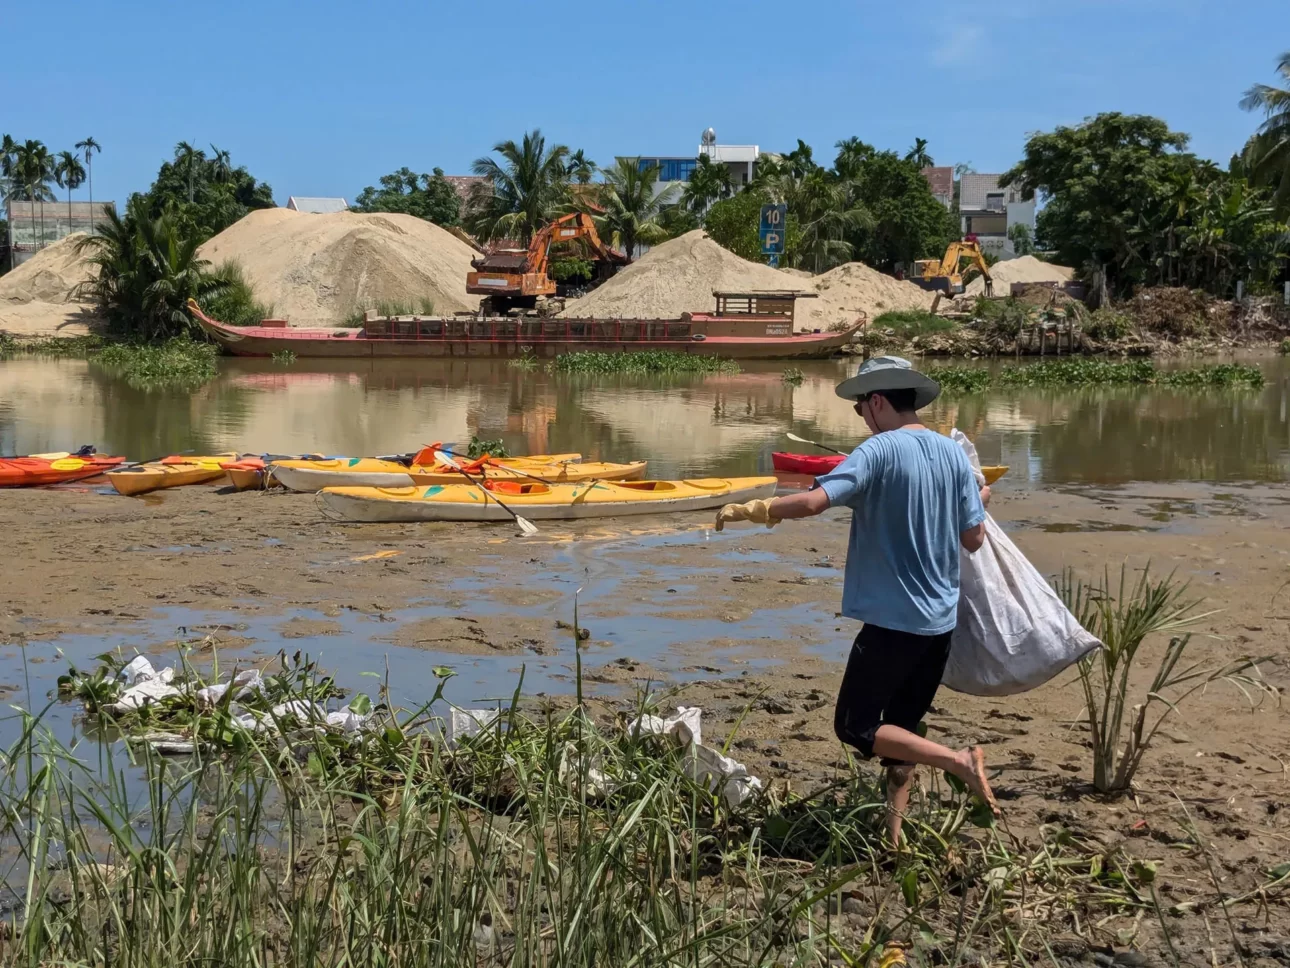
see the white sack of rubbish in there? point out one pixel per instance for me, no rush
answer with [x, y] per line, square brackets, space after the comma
[301, 712]
[573, 770]
[685, 727]
[707, 766]
[244, 684]
[144, 685]
[1013, 632]
[703, 764]
[465, 723]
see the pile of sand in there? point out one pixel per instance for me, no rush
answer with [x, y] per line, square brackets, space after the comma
[676, 277]
[1024, 269]
[853, 288]
[48, 276]
[39, 318]
[315, 270]
[679, 276]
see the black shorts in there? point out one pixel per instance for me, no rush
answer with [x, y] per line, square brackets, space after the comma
[891, 679]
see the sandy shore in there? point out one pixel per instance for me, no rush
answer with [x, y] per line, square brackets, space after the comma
[727, 620]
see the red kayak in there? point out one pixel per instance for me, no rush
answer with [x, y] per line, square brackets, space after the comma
[805, 463]
[41, 469]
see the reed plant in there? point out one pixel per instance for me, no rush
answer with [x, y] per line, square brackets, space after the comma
[547, 839]
[1124, 613]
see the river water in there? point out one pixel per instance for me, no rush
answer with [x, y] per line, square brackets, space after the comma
[719, 425]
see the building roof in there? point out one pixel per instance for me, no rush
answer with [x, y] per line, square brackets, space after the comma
[317, 206]
[973, 189]
[940, 180]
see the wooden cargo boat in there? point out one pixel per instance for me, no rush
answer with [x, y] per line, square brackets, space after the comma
[745, 326]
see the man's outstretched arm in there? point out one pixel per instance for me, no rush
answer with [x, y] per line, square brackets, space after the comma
[805, 504]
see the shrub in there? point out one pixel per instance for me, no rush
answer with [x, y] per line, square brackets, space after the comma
[235, 303]
[1108, 324]
[911, 322]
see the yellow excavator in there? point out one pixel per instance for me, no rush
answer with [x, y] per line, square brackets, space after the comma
[943, 276]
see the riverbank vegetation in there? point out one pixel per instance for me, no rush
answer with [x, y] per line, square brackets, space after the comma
[545, 838]
[177, 364]
[652, 361]
[1083, 372]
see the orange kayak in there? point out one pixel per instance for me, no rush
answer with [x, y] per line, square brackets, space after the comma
[251, 472]
[41, 469]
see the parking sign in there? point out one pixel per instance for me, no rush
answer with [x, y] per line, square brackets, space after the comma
[773, 222]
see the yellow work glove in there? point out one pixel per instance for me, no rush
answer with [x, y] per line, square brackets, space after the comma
[757, 512]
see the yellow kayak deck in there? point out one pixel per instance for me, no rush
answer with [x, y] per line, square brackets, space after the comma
[465, 502]
[142, 478]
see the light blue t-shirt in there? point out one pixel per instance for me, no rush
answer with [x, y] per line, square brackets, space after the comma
[911, 493]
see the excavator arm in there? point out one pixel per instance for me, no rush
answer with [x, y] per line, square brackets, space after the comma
[576, 225]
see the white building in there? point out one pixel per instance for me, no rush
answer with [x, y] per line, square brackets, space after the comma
[740, 160]
[989, 212]
[318, 206]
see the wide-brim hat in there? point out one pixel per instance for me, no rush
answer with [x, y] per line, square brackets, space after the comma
[889, 373]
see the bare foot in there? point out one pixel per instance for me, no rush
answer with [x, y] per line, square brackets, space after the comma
[973, 763]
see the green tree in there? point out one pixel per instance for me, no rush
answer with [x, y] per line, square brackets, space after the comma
[902, 220]
[221, 166]
[522, 192]
[676, 220]
[1022, 241]
[70, 174]
[709, 183]
[580, 168]
[430, 197]
[630, 207]
[221, 193]
[187, 156]
[1129, 206]
[918, 155]
[148, 269]
[1268, 152]
[1100, 179]
[734, 223]
[33, 169]
[8, 159]
[89, 146]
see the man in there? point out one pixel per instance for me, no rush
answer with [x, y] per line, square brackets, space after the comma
[914, 501]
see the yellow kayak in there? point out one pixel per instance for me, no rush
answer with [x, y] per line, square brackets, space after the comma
[314, 475]
[594, 499]
[169, 472]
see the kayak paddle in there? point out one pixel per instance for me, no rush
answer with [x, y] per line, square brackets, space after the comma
[526, 526]
[803, 440]
[505, 467]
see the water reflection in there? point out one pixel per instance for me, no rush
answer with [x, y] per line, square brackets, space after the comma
[715, 425]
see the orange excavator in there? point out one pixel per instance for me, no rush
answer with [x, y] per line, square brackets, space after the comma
[515, 278]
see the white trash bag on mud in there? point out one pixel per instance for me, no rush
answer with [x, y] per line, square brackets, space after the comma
[1013, 632]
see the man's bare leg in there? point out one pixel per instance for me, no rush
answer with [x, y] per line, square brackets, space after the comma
[900, 781]
[967, 764]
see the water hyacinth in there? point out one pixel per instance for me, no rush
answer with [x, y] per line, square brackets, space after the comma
[1093, 372]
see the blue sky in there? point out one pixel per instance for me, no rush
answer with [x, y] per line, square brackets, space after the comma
[322, 98]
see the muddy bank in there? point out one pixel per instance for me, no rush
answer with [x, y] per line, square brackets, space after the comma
[742, 619]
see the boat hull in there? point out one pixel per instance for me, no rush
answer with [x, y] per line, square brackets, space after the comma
[676, 336]
[313, 475]
[563, 502]
[143, 478]
[45, 469]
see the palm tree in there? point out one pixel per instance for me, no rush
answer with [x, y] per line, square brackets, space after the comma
[709, 183]
[631, 206]
[851, 156]
[147, 271]
[89, 146]
[1268, 153]
[918, 154]
[221, 166]
[70, 174]
[188, 155]
[8, 154]
[580, 167]
[32, 169]
[521, 194]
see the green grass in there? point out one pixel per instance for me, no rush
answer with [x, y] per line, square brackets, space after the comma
[48, 346]
[651, 361]
[908, 323]
[1092, 372]
[421, 306]
[385, 847]
[179, 363]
